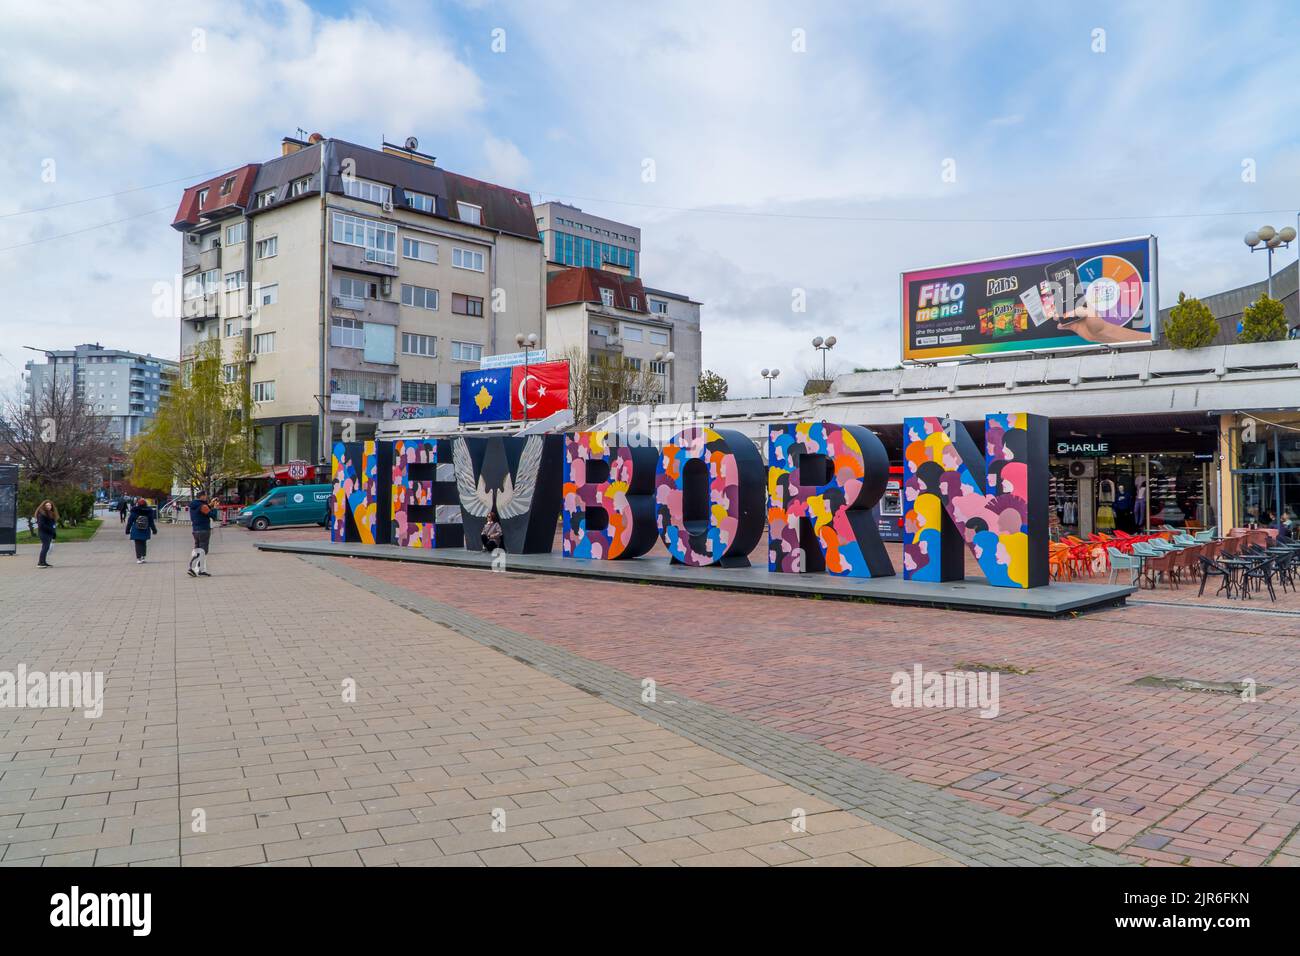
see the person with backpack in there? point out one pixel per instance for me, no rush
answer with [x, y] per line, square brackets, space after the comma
[201, 526]
[140, 527]
[47, 529]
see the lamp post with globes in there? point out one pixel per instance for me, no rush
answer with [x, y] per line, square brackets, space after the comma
[770, 375]
[1267, 238]
[525, 342]
[824, 346]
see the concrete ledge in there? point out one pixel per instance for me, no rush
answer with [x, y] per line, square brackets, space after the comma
[973, 594]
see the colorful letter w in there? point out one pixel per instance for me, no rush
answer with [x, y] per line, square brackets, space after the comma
[995, 506]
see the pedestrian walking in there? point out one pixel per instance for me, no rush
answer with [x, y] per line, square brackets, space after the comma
[140, 527]
[201, 527]
[121, 510]
[47, 529]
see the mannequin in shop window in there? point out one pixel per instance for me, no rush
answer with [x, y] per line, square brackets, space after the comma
[1140, 504]
[1105, 505]
[1123, 509]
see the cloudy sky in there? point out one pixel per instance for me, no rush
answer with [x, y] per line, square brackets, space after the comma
[793, 146]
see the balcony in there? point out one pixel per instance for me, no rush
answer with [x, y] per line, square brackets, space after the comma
[379, 311]
[357, 259]
[210, 259]
[202, 307]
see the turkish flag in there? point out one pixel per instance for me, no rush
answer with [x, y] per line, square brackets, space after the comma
[543, 388]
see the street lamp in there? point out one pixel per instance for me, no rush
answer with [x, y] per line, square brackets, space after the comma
[54, 371]
[824, 346]
[1267, 238]
[525, 342]
[665, 358]
[770, 375]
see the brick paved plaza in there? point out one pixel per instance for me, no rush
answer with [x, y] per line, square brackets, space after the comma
[481, 692]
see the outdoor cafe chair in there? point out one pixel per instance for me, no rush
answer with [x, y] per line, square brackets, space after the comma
[1119, 561]
[1261, 573]
[1213, 569]
[1160, 566]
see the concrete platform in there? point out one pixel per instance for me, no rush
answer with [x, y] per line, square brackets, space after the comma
[973, 594]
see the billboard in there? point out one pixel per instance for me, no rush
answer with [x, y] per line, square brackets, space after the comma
[1078, 297]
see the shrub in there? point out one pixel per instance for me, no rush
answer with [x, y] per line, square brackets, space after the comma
[1263, 321]
[1191, 324]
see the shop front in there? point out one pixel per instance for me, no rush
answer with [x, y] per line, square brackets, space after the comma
[1265, 458]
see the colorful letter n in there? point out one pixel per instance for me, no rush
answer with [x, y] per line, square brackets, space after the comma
[995, 504]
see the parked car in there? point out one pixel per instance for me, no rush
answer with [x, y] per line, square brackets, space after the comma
[286, 505]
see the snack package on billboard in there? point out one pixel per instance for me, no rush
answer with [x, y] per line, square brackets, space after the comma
[986, 322]
[1020, 319]
[1004, 317]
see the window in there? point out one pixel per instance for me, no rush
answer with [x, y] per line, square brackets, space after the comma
[230, 374]
[368, 386]
[210, 280]
[413, 344]
[421, 393]
[352, 293]
[379, 239]
[267, 294]
[633, 302]
[659, 368]
[658, 306]
[210, 240]
[455, 393]
[300, 186]
[467, 259]
[634, 364]
[203, 197]
[466, 352]
[264, 442]
[381, 343]
[466, 304]
[235, 233]
[234, 281]
[420, 201]
[419, 249]
[264, 342]
[232, 326]
[268, 247]
[226, 185]
[607, 297]
[468, 212]
[365, 189]
[347, 333]
[658, 338]
[420, 297]
[631, 333]
[265, 198]
[264, 391]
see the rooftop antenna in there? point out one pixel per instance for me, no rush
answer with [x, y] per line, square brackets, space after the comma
[302, 133]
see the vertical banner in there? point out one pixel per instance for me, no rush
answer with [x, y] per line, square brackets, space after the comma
[822, 482]
[709, 497]
[608, 498]
[542, 389]
[994, 504]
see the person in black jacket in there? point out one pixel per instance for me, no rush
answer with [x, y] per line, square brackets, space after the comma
[121, 511]
[140, 528]
[47, 529]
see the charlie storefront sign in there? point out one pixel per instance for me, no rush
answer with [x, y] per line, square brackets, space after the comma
[1082, 449]
[706, 494]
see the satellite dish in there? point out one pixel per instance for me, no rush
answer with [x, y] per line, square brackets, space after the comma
[412, 143]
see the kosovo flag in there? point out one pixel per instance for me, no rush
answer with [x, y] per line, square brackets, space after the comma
[485, 395]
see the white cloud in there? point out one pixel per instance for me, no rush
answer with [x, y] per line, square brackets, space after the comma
[504, 163]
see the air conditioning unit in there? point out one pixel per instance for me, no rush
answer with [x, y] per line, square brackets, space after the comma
[1083, 467]
[336, 302]
[192, 238]
[388, 205]
[252, 357]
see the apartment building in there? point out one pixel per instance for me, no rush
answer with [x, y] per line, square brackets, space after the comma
[572, 237]
[350, 285]
[123, 387]
[631, 348]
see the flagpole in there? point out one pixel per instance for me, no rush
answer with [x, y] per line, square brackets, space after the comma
[526, 342]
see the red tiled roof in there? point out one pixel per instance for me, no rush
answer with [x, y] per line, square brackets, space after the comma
[567, 286]
[189, 213]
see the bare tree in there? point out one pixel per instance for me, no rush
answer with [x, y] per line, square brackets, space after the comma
[54, 437]
[607, 381]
